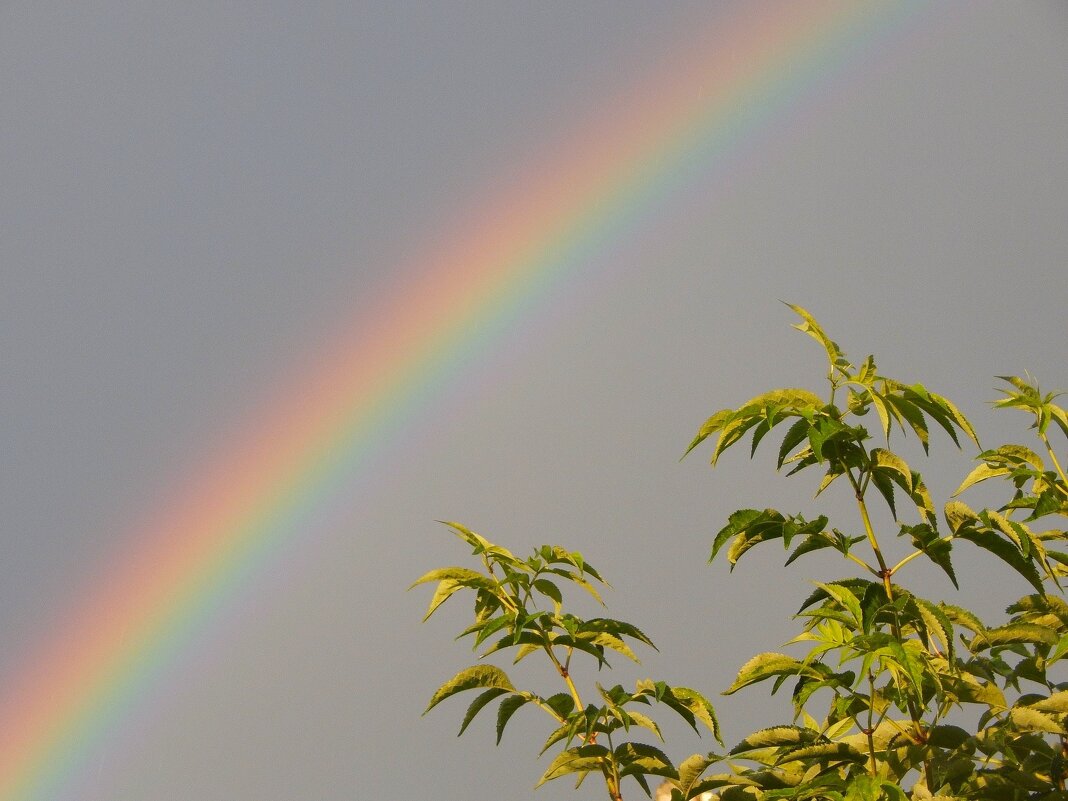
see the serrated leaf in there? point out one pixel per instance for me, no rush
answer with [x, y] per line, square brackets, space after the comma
[777, 737]
[462, 575]
[837, 752]
[617, 627]
[580, 759]
[1030, 719]
[509, 706]
[550, 590]
[737, 522]
[880, 409]
[947, 736]
[754, 410]
[711, 426]
[958, 514]
[913, 416]
[443, 592]
[894, 466]
[937, 623]
[690, 771]
[699, 706]
[936, 548]
[1059, 649]
[646, 758]
[955, 414]
[606, 640]
[845, 598]
[1014, 633]
[646, 723]
[795, 435]
[1005, 551]
[882, 481]
[858, 586]
[1057, 703]
[477, 706]
[765, 666]
[963, 617]
[809, 326]
[487, 676]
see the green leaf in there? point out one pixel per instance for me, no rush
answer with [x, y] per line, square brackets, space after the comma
[737, 522]
[478, 704]
[845, 598]
[732, 425]
[690, 771]
[912, 415]
[981, 473]
[550, 590]
[471, 678]
[617, 627]
[461, 575]
[963, 617]
[1014, 633]
[857, 586]
[937, 549]
[480, 544]
[882, 481]
[777, 737]
[699, 706]
[1030, 719]
[509, 706]
[647, 759]
[835, 752]
[1059, 649]
[711, 426]
[1057, 702]
[580, 759]
[795, 435]
[645, 722]
[893, 466]
[444, 591]
[947, 736]
[880, 409]
[606, 640]
[765, 666]
[1005, 551]
[937, 623]
[958, 514]
[809, 326]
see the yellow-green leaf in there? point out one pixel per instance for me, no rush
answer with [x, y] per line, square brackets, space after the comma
[471, 678]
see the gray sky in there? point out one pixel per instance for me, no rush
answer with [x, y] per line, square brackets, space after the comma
[192, 194]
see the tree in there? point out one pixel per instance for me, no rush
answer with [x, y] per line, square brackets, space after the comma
[893, 695]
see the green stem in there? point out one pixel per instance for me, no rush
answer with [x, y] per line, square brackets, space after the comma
[1053, 456]
[863, 564]
[884, 572]
[566, 676]
[611, 773]
[870, 731]
[914, 554]
[914, 710]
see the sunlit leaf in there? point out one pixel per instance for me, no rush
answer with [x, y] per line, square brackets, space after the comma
[582, 758]
[509, 706]
[471, 678]
[777, 736]
[478, 704]
[768, 665]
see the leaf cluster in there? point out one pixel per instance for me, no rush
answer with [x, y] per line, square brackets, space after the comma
[519, 606]
[894, 695]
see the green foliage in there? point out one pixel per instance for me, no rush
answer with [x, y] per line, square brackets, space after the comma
[893, 695]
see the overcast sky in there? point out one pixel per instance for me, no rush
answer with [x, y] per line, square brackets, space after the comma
[193, 195]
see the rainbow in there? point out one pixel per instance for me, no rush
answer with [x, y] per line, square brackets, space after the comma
[248, 501]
